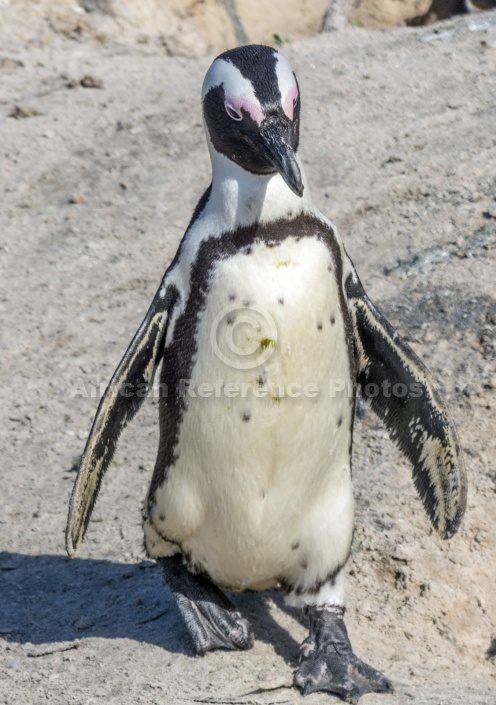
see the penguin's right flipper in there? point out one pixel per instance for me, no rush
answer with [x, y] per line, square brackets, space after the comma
[211, 619]
[404, 395]
[122, 399]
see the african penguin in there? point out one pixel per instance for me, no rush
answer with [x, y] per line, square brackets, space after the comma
[264, 331]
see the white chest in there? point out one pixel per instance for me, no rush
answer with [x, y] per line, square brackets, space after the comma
[263, 452]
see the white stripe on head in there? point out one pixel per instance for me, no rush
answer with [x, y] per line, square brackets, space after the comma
[287, 85]
[238, 90]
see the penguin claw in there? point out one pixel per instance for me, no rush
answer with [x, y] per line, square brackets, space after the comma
[327, 662]
[211, 619]
[212, 626]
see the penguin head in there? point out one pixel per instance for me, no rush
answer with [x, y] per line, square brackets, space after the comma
[251, 108]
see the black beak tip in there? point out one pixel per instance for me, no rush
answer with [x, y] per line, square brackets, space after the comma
[290, 172]
[298, 190]
[293, 180]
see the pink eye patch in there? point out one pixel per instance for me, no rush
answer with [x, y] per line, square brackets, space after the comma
[253, 110]
[289, 102]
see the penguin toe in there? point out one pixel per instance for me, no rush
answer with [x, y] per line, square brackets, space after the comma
[344, 675]
[212, 626]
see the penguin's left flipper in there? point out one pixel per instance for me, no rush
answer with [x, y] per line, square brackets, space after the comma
[211, 619]
[327, 662]
[403, 393]
[123, 397]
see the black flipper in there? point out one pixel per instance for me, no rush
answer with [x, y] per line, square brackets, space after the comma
[416, 416]
[122, 399]
[211, 619]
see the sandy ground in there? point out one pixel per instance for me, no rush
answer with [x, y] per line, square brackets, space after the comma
[98, 184]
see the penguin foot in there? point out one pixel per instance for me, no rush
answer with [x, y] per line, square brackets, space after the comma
[211, 619]
[327, 661]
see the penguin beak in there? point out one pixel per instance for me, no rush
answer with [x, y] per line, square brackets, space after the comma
[276, 134]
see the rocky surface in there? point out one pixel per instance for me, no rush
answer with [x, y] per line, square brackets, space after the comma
[197, 27]
[103, 158]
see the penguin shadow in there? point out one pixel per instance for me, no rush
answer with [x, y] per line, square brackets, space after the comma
[257, 607]
[51, 598]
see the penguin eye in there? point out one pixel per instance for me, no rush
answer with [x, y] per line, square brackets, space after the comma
[232, 112]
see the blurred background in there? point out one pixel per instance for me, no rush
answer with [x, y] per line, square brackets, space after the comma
[197, 27]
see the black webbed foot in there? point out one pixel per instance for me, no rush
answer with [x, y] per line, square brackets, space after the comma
[211, 619]
[327, 661]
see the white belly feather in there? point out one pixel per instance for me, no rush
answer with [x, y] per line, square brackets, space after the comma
[261, 490]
